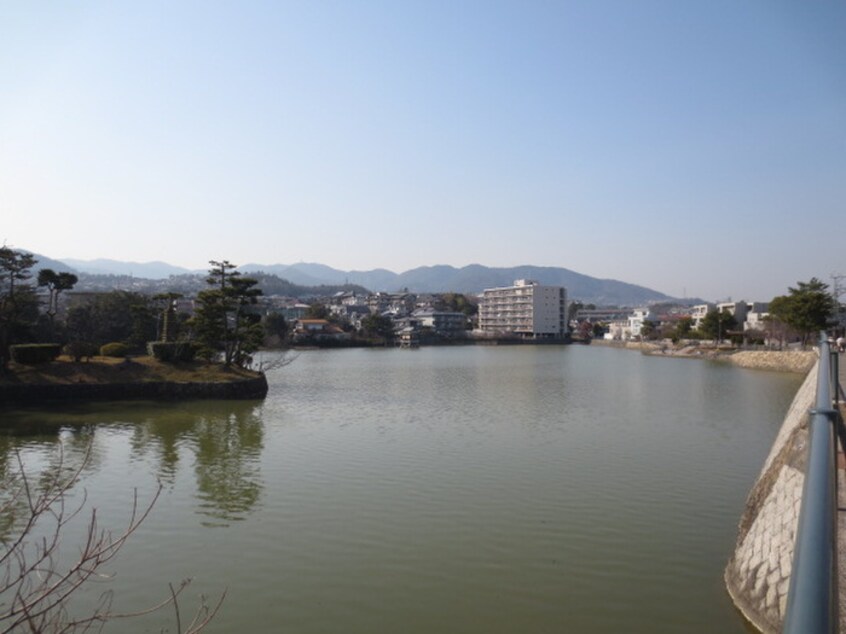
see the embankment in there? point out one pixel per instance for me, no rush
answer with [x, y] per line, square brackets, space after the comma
[156, 390]
[797, 361]
[758, 574]
[143, 378]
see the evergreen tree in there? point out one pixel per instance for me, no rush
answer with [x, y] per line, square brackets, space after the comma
[806, 308]
[55, 283]
[18, 302]
[317, 310]
[379, 326]
[223, 322]
[457, 303]
[683, 328]
[275, 329]
[117, 316]
[716, 324]
[648, 330]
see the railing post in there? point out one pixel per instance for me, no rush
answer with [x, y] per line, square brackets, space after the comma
[812, 601]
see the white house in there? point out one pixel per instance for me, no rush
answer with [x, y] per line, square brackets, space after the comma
[758, 311]
[636, 319]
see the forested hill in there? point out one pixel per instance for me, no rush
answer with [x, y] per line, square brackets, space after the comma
[310, 279]
[470, 279]
[192, 284]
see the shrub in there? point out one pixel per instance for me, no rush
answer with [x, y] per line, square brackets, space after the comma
[172, 351]
[208, 354]
[34, 353]
[114, 349]
[76, 350]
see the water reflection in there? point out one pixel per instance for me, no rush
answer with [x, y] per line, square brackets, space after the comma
[227, 465]
[221, 440]
[42, 466]
[449, 490]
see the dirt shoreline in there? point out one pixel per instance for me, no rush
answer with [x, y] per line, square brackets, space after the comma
[795, 361]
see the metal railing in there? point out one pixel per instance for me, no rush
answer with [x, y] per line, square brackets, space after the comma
[812, 600]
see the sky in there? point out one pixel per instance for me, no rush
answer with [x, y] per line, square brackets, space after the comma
[696, 148]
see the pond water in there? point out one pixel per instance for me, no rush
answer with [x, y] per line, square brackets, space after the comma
[472, 489]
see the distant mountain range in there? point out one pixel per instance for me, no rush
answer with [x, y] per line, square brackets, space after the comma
[468, 279]
[426, 279]
[149, 270]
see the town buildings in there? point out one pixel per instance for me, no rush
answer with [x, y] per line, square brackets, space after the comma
[750, 318]
[699, 311]
[526, 309]
[449, 324]
[756, 315]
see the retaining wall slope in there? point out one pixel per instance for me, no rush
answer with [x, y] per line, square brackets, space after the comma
[758, 574]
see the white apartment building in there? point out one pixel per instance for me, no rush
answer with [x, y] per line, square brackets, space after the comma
[699, 311]
[738, 310]
[527, 309]
[749, 315]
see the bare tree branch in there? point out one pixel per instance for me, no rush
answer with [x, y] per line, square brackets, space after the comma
[35, 591]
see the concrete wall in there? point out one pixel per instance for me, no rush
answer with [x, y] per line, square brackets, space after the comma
[757, 575]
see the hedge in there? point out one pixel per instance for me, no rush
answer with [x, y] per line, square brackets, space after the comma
[172, 351]
[114, 349]
[34, 353]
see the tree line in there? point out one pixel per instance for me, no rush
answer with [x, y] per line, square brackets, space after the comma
[800, 315]
[224, 325]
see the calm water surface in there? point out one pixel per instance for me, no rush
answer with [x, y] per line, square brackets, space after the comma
[509, 489]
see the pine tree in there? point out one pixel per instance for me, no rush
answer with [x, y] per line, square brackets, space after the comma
[223, 323]
[806, 308]
[18, 302]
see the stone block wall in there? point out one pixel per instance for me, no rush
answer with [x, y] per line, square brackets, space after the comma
[758, 574]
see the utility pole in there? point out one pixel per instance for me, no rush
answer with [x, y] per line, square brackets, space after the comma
[838, 288]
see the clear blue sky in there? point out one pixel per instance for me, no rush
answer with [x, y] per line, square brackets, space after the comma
[692, 147]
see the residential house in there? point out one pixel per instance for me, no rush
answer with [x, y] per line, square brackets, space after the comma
[317, 330]
[618, 330]
[447, 324]
[636, 320]
[758, 312]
